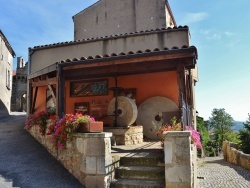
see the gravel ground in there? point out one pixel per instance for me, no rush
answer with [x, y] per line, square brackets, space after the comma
[25, 163]
[220, 174]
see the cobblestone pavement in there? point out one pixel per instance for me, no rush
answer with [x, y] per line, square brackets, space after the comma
[25, 163]
[220, 174]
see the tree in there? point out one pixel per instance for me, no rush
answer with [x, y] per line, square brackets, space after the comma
[203, 131]
[201, 127]
[244, 136]
[221, 122]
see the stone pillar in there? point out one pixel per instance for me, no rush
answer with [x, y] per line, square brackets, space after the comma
[96, 159]
[178, 165]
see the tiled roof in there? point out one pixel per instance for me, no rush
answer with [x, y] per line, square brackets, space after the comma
[7, 44]
[110, 37]
[130, 53]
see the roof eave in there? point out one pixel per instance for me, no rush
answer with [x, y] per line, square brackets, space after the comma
[7, 44]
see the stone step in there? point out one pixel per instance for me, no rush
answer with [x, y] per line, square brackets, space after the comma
[4, 183]
[128, 183]
[142, 161]
[140, 172]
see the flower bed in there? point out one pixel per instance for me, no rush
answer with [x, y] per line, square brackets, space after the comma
[174, 126]
[61, 130]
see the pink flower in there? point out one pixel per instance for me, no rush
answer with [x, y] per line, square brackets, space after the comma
[195, 136]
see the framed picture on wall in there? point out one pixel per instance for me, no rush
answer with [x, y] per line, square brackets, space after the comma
[82, 108]
[89, 88]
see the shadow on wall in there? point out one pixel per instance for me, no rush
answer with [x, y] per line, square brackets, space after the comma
[3, 109]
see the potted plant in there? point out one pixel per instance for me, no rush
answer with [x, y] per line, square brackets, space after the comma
[88, 124]
[176, 126]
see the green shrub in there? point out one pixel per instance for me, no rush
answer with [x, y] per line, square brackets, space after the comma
[244, 137]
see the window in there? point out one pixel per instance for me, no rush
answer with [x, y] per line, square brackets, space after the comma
[7, 79]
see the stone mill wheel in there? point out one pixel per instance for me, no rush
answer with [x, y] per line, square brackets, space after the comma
[127, 111]
[150, 114]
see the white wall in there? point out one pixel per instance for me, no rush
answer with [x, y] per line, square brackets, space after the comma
[6, 63]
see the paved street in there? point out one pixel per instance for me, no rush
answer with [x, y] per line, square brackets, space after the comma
[25, 163]
[219, 174]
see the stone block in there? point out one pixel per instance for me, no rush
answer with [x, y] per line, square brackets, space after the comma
[178, 174]
[101, 181]
[104, 165]
[83, 165]
[91, 165]
[168, 149]
[80, 145]
[178, 185]
[96, 147]
[126, 135]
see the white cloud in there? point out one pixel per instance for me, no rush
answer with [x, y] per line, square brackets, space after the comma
[215, 36]
[195, 17]
[229, 34]
[211, 34]
[206, 32]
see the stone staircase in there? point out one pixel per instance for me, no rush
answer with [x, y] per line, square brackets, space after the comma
[140, 172]
[4, 183]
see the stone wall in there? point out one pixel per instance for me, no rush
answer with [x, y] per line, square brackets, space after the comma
[126, 135]
[19, 87]
[111, 17]
[87, 156]
[232, 155]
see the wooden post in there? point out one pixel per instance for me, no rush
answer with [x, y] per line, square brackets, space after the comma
[33, 100]
[183, 106]
[61, 83]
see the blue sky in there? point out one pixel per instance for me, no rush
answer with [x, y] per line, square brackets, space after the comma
[219, 29]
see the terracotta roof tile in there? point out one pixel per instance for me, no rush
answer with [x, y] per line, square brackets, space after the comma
[90, 57]
[139, 52]
[111, 36]
[113, 54]
[98, 56]
[82, 58]
[129, 53]
[122, 53]
[156, 50]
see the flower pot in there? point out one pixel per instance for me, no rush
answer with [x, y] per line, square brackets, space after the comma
[83, 127]
[96, 126]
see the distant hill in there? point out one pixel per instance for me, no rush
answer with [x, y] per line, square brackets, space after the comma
[238, 125]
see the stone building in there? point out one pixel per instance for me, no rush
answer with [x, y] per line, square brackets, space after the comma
[6, 63]
[19, 86]
[131, 45]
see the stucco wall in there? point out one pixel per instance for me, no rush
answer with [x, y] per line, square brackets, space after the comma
[110, 17]
[235, 156]
[6, 61]
[147, 85]
[46, 56]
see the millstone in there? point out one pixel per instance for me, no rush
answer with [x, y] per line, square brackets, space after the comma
[127, 111]
[152, 113]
